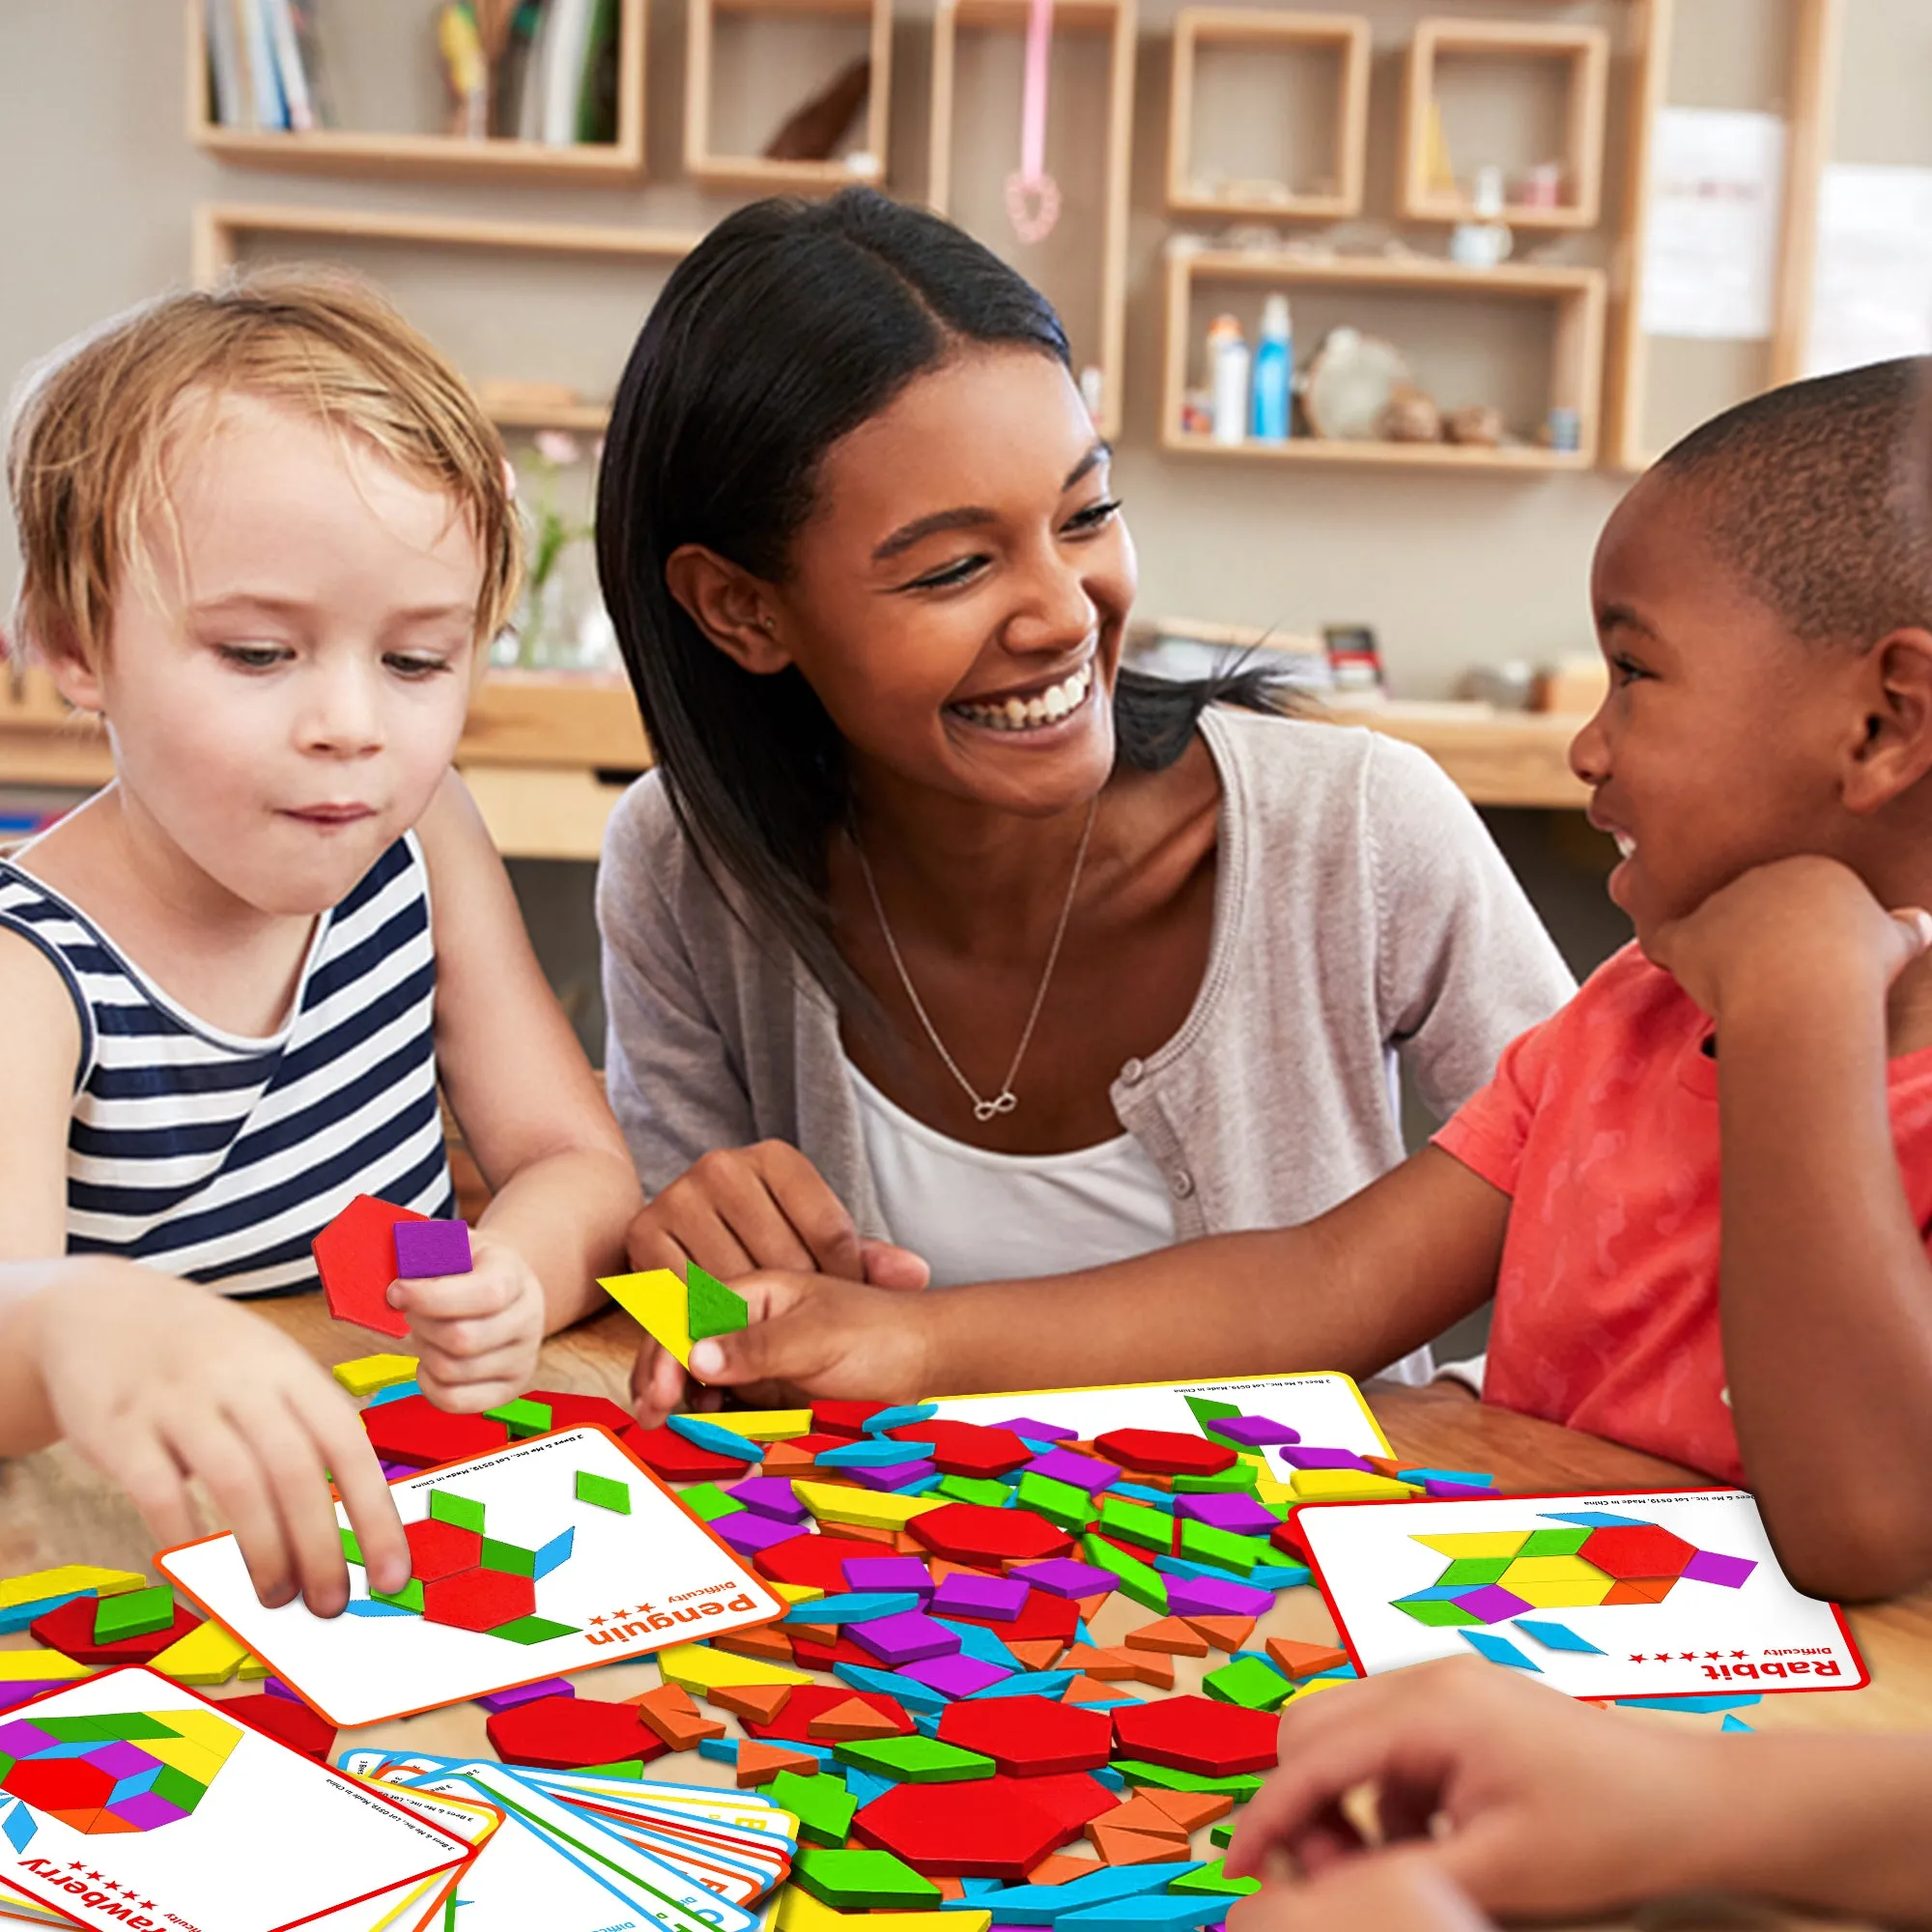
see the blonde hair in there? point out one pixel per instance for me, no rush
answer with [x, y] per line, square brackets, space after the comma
[88, 454]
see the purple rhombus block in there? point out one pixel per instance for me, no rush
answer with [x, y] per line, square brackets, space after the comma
[1254, 1431]
[999, 1599]
[906, 1638]
[1065, 1577]
[1709, 1567]
[955, 1676]
[1324, 1458]
[866, 1573]
[1209, 1597]
[748, 1532]
[1069, 1465]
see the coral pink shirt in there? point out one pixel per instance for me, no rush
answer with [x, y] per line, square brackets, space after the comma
[1601, 1126]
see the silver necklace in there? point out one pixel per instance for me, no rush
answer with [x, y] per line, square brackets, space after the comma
[1006, 1100]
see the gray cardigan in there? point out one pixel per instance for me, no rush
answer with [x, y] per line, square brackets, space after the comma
[1360, 910]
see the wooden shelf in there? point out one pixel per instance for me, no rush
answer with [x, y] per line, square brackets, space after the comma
[1587, 51]
[347, 153]
[756, 174]
[1117, 19]
[1345, 36]
[1575, 294]
[1518, 758]
[585, 419]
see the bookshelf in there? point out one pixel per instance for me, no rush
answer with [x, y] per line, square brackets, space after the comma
[1566, 303]
[1579, 55]
[351, 153]
[759, 174]
[221, 230]
[1098, 205]
[1331, 52]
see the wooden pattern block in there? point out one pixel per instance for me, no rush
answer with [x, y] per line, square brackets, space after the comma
[658, 1302]
[208, 1655]
[1169, 1636]
[570, 1734]
[916, 1760]
[479, 1600]
[134, 1613]
[1165, 1452]
[367, 1373]
[991, 1829]
[1195, 1734]
[843, 1418]
[1297, 1660]
[1117, 1845]
[968, 1448]
[770, 1644]
[1190, 1810]
[817, 1561]
[1227, 1633]
[822, 1806]
[438, 1550]
[1029, 1737]
[414, 1431]
[769, 1425]
[292, 1723]
[668, 1454]
[710, 1307]
[70, 1630]
[669, 1712]
[583, 1411]
[972, 1533]
[811, 1700]
[70, 1580]
[849, 1719]
[862, 1878]
[1249, 1682]
[356, 1257]
[851, 1507]
[760, 1764]
[760, 1701]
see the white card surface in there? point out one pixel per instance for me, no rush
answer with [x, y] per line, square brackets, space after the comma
[1325, 1410]
[268, 1839]
[1701, 1609]
[628, 1584]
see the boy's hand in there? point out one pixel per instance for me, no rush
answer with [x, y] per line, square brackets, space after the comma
[1793, 928]
[1401, 1892]
[1553, 1807]
[158, 1382]
[476, 1334]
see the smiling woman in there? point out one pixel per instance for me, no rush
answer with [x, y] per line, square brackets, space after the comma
[939, 943]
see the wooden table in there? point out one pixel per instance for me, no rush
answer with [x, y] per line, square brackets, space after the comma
[54, 1509]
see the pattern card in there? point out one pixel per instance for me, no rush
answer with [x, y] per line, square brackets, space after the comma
[131, 1801]
[549, 1557]
[1670, 1595]
[1323, 1409]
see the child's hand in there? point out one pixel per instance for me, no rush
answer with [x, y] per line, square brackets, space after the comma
[157, 1382]
[1555, 1806]
[1794, 928]
[1401, 1892]
[476, 1334]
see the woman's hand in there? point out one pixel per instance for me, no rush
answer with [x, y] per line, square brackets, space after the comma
[476, 1334]
[737, 1210]
[1553, 1806]
[1401, 1891]
[159, 1383]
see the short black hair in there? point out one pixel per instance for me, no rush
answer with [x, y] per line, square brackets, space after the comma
[787, 326]
[1816, 494]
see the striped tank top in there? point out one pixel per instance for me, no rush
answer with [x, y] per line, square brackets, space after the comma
[207, 1154]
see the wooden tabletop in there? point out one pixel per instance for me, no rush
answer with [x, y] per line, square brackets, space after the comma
[54, 1509]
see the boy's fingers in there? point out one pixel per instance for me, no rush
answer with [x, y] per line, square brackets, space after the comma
[293, 1469]
[453, 1298]
[210, 1449]
[140, 1464]
[366, 1496]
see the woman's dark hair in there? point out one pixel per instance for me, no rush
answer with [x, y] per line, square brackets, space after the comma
[790, 324]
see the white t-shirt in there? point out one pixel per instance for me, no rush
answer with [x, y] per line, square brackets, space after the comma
[977, 1215]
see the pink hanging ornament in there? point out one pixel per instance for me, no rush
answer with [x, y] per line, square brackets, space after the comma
[1033, 195]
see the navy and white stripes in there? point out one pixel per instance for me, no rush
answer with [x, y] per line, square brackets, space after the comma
[219, 1157]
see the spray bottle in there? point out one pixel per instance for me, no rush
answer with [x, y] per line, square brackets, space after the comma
[1228, 376]
[1275, 371]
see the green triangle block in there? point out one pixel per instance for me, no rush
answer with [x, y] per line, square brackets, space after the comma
[1062, 1504]
[973, 1490]
[602, 1491]
[445, 1506]
[707, 1502]
[823, 1806]
[1139, 1581]
[522, 1417]
[714, 1309]
[1137, 1523]
[862, 1879]
[1248, 1681]
[914, 1760]
[1241, 1787]
[137, 1614]
[532, 1630]
[409, 1598]
[1212, 1879]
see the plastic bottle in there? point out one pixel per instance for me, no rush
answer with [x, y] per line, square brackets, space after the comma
[1274, 370]
[1228, 379]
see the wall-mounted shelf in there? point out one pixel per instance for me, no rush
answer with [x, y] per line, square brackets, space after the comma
[1573, 298]
[759, 174]
[220, 230]
[1106, 349]
[1337, 41]
[1584, 55]
[336, 151]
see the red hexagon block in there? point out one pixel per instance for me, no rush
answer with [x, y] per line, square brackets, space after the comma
[1029, 1737]
[1164, 1452]
[977, 1533]
[439, 1549]
[1041, 1615]
[817, 1561]
[568, 1733]
[1194, 1734]
[355, 1256]
[413, 1429]
[987, 1829]
[295, 1725]
[1637, 1550]
[479, 1600]
[968, 1448]
[70, 1630]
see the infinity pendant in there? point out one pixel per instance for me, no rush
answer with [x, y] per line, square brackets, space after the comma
[987, 1110]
